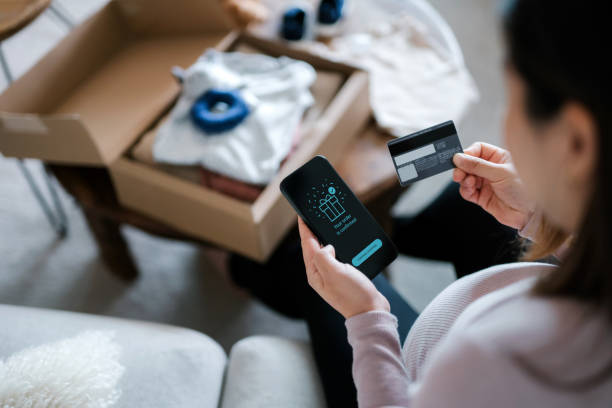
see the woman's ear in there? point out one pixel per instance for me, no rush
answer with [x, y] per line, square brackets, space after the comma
[581, 144]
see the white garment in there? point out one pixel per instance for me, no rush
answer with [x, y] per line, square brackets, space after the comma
[414, 81]
[277, 93]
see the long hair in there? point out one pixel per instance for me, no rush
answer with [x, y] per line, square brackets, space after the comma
[559, 49]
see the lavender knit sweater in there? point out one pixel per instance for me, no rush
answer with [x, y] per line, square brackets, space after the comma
[485, 341]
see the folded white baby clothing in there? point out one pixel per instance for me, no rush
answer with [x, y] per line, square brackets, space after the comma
[276, 91]
[414, 81]
[412, 84]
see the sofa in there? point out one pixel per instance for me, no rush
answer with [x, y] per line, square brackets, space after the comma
[167, 366]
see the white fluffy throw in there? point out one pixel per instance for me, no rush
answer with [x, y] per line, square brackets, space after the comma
[82, 371]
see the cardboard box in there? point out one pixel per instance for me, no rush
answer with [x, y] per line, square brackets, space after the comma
[108, 81]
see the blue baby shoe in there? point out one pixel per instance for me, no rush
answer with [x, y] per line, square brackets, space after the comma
[330, 11]
[293, 26]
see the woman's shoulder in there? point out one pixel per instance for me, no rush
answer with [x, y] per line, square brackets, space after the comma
[513, 348]
[557, 339]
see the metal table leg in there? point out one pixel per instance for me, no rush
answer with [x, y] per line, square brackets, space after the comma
[56, 216]
[58, 11]
[5, 67]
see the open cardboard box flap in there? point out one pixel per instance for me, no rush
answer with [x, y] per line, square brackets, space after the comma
[90, 97]
[254, 229]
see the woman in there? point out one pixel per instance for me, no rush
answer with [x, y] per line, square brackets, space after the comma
[520, 334]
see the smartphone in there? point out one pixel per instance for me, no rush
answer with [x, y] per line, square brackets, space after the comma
[336, 216]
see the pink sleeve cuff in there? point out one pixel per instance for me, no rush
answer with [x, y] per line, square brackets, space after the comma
[530, 228]
[366, 323]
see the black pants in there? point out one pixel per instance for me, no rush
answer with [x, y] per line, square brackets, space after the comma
[450, 229]
[454, 230]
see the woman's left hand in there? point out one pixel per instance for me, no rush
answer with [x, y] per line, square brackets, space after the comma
[345, 288]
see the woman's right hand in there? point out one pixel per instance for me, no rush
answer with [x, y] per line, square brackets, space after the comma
[488, 178]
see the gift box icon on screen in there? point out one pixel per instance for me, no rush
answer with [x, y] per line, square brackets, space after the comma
[331, 207]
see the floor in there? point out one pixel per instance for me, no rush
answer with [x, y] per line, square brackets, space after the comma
[178, 283]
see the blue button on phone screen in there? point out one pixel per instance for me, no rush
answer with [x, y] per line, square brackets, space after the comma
[367, 252]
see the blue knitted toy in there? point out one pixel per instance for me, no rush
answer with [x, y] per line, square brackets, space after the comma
[218, 111]
[330, 11]
[293, 26]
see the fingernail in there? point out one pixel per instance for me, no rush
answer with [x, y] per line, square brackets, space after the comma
[458, 158]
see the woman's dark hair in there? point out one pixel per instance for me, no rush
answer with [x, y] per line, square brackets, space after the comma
[559, 48]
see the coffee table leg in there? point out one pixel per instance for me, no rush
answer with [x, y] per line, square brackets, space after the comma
[112, 246]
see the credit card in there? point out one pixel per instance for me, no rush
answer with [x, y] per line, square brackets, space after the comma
[425, 153]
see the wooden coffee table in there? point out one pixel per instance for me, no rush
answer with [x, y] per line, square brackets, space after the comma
[367, 169]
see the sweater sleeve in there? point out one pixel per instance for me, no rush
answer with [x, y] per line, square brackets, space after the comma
[378, 368]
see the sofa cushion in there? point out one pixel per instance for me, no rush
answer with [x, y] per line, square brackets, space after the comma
[165, 366]
[272, 372]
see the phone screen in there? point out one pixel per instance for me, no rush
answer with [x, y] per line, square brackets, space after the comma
[337, 217]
